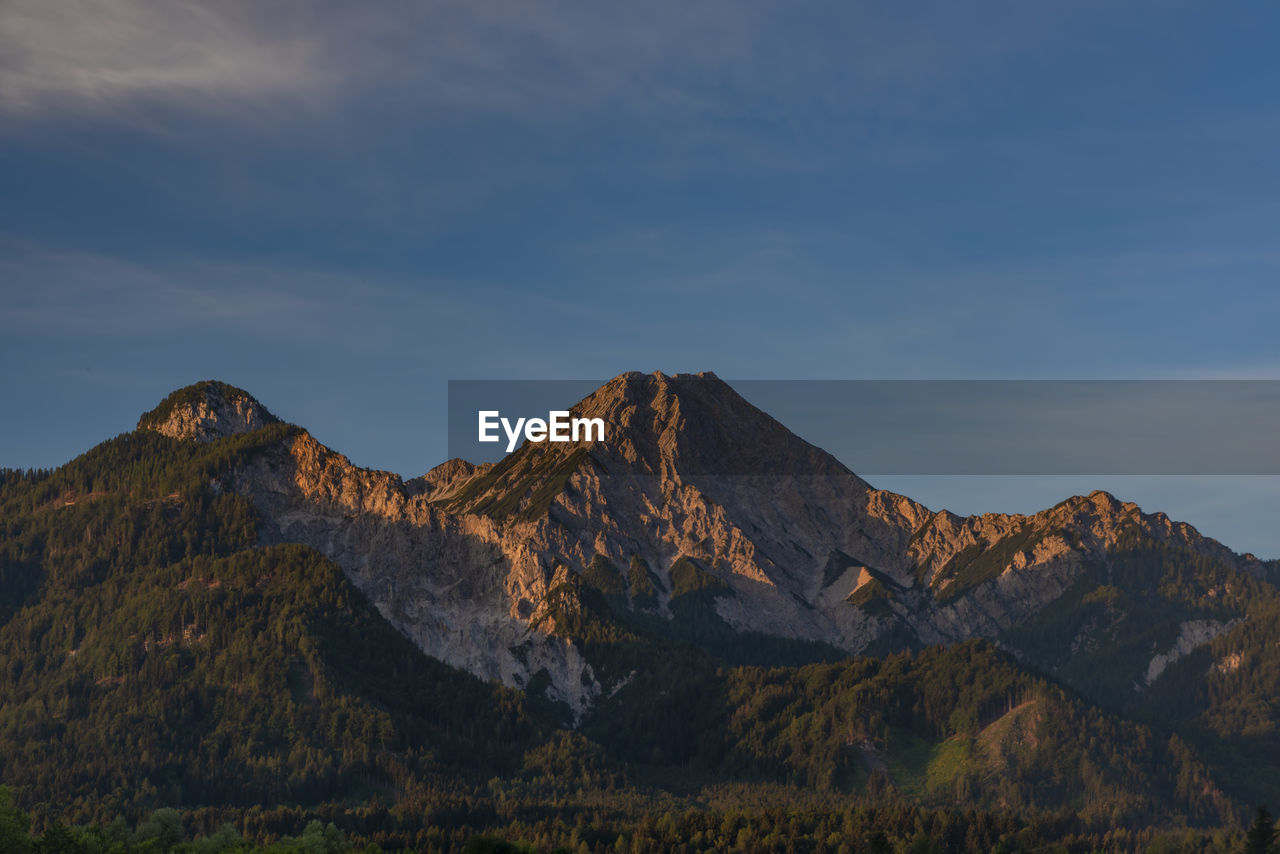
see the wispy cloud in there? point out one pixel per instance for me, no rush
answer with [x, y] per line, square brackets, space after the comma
[77, 55]
[508, 56]
[58, 55]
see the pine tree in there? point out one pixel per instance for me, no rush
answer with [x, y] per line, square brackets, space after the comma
[1261, 833]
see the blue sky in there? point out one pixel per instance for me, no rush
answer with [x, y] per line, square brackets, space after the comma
[341, 206]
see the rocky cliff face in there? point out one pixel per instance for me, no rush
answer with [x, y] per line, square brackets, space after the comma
[472, 561]
[467, 590]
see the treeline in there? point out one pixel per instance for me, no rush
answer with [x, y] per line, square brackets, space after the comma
[164, 832]
[615, 825]
[22, 476]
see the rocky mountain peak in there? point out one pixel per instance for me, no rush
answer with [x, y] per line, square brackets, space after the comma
[678, 431]
[695, 424]
[206, 411]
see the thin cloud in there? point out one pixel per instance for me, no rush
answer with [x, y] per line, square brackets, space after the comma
[73, 55]
[510, 57]
[76, 55]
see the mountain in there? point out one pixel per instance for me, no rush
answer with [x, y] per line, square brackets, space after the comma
[696, 488]
[217, 610]
[704, 519]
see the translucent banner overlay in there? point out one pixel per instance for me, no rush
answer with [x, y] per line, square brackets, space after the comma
[952, 427]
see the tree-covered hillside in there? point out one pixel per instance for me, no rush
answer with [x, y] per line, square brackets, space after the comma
[154, 655]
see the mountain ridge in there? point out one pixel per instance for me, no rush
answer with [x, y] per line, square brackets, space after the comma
[466, 560]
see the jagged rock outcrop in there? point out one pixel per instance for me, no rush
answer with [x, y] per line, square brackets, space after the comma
[472, 562]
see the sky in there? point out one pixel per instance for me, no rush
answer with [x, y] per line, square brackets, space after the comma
[340, 207]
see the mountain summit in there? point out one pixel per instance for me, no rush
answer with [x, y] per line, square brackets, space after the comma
[695, 424]
[206, 411]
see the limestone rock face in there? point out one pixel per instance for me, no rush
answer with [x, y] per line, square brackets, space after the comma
[460, 586]
[1192, 634]
[477, 564]
[206, 411]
